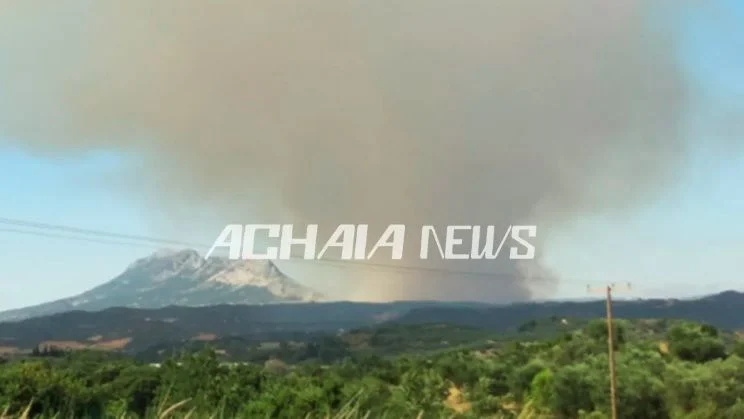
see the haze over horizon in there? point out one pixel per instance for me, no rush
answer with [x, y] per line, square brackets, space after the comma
[615, 128]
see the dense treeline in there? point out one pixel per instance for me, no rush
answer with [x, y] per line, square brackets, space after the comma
[272, 322]
[382, 340]
[692, 373]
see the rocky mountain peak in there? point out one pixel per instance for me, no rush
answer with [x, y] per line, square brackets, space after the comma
[182, 278]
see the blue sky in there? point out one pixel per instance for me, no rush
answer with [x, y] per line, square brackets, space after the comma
[690, 241]
[60, 191]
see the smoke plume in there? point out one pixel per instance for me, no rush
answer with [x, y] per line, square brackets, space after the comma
[440, 112]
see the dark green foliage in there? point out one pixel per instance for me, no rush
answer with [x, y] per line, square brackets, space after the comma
[47, 351]
[575, 387]
[597, 330]
[528, 326]
[738, 349]
[277, 322]
[692, 342]
[564, 376]
[521, 379]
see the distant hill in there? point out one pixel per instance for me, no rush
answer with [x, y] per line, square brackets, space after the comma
[145, 327]
[133, 329]
[723, 310]
[181, 278]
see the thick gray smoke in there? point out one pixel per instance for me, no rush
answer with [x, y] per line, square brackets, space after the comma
[335, 111]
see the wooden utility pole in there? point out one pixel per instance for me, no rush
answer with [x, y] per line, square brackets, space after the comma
[611, 343]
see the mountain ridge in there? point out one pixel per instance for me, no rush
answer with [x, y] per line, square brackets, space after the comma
[132, 329]
[180, 278]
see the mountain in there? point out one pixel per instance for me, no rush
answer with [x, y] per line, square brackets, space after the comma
[140, 328]
[134, 330]
[720, 310]
[181, 278]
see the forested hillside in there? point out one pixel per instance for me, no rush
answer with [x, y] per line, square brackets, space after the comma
[136, 330]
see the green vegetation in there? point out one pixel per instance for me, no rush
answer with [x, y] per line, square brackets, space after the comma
[388, 340]
[549, 369]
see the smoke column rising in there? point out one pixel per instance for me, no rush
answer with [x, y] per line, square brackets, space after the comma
[418, 112]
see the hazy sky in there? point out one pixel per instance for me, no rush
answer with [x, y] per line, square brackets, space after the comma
[687, 241]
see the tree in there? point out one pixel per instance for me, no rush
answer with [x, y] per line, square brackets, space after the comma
[574, 390]
[597, 331]
[542, 390]
[691, 342]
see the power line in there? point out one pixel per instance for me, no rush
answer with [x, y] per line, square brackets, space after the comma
[85, 239]
[157, 242]
[152, 241]
[46, 226]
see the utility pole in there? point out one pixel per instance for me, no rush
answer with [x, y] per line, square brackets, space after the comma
[611, 340]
